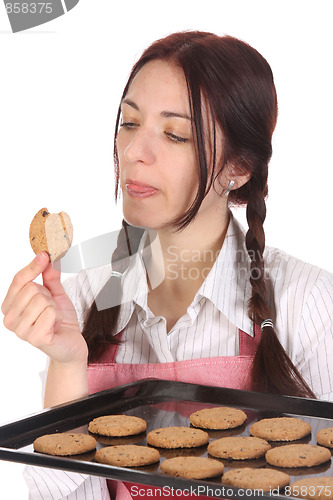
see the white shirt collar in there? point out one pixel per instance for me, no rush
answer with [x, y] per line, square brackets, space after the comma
[226, 284]
[228, 281]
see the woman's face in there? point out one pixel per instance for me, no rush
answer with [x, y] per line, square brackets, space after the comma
[158, 172]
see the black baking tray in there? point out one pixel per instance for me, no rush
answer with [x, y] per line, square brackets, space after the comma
[162, 403]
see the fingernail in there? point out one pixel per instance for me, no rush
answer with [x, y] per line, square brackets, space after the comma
[41, 258]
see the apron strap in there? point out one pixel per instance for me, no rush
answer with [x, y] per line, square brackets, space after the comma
[248, 345]
[116, 347]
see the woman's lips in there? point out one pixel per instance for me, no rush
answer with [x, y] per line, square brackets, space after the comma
[138, 190]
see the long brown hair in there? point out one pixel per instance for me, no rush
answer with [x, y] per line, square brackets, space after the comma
[237, 83]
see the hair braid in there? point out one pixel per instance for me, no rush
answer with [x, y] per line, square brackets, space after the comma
[102, 318]
[255, 244]
[272, 370]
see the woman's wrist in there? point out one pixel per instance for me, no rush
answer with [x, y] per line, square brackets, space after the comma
[65, 382]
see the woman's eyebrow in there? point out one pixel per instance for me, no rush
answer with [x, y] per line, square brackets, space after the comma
[165, 114]
[171, 114]
[130, 103]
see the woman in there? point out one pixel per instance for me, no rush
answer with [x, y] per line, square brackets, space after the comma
[193, 136]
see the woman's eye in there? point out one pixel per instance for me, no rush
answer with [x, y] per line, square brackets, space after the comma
[128, 125]
[176, 138]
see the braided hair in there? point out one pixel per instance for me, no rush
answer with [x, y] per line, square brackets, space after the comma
[101, 320]
[237, 84]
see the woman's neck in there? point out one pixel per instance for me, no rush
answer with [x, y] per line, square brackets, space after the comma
[187, 256]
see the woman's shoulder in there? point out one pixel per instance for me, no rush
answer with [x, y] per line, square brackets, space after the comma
[287, 271]
[282, 269]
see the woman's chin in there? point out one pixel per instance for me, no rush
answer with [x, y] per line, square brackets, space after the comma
[137, 221]
[148, 219]
[134, 222]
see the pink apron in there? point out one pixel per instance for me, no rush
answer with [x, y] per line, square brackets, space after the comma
[225, 371]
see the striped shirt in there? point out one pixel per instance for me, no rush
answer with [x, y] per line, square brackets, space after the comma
[301, 296]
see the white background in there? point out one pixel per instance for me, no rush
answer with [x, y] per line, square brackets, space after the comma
[59, 90]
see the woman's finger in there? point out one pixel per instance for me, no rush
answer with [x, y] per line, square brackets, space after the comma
[43, 333]
[21, 301]
[38, 322]
[25, 275]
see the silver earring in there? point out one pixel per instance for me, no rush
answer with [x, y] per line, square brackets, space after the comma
[229, 188]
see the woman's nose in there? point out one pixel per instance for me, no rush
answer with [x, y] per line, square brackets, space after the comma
[140, 148]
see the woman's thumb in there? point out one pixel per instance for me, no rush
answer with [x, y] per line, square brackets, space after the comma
[51, 281]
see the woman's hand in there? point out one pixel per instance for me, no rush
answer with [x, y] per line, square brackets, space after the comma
[43, 315]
